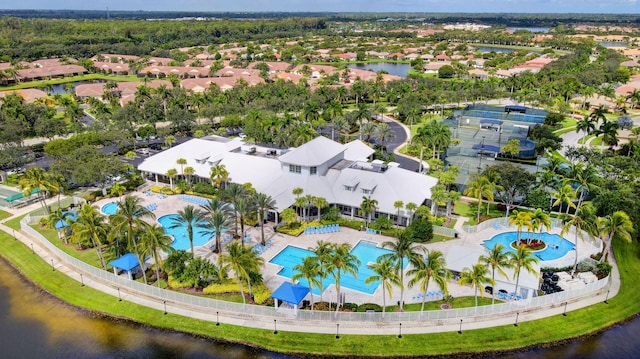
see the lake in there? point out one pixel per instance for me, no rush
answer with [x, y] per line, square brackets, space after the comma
[495, 49]
[60, 88]
[532, 29]
[391, 68]
[34, 325]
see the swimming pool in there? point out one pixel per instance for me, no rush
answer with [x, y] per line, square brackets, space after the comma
[180, 237]
[366, 251]
[557, 247]
[110, 208]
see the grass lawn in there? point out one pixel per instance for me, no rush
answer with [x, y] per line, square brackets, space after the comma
[14, 222]
[463, 302]
[4, 214]
[40, 84]
[89, 256]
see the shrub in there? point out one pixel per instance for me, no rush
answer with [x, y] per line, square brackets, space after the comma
[603, 270]
[585, 266]
[351, 307]
[261, 294]
[369, 306]
[204, 188]
[224, 288]
[177, 284]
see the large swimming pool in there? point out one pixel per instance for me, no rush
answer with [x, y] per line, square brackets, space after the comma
[110, 208]
[557, 247]
[180, 237]
[366, 251]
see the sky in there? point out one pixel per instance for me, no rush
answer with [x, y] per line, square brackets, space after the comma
[472, 6]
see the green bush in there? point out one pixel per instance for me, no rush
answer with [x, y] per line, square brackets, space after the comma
[603, 270]
[350, 307]
[369, 306]
[204, 188]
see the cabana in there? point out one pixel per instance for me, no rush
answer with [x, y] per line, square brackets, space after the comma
[291, 294]
[127, 263]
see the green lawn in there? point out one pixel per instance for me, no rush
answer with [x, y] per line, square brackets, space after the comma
[463, 302]
[4, 214]
[89, 256]
[40, 84]
[14, 222]
[576, 323]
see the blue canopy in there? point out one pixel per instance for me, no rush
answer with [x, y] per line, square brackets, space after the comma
[290, 293]
[71, 215]
[127, 262]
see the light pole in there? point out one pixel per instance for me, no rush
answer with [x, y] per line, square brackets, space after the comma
[481, 154]
[165, 306]
[400, 331]
[516, 323]
[564, 314]
[275, 328]
[119, 297]
[337, 330]
[81, 280]
[607, 297]
[217, 319]
[460, 330]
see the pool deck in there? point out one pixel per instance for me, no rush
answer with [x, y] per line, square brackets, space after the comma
[171, 204]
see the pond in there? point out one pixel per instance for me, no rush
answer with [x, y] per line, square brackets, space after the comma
[391, 68]
[532, 29]
[495, 49]
[61, 88]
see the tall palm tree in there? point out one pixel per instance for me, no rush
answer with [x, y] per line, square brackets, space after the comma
[521, 219]
[368, 207]
[219, 175]
[91, 224]
[244, 207]
[127, 220]
[191, 218]
[586, 125]
[59, 216]
[477, 278]
[361, 114]
[181, 162]
[261, 204]
[216, 221]
[340, 260]
[171, 173]
[320, 203]
[583, 220]
[565, 194]
[322, 252]
[403, 248]
[522, 258]
[232, 194]
[496, 259]
[585, 177]
[617, 225]
[242, 262]
[398, 205]
[480, 187]
[384, 271]
[540, 221]
[309, 270]
[384, 132]
[432, 267]
[152, 240]
[36, 179]
[609, 132]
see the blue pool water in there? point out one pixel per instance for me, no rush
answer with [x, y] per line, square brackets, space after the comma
[548, 254]
[110, 208]
[367, 252]
[180, 236]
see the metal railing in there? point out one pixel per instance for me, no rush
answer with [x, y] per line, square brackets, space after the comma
[245, 311]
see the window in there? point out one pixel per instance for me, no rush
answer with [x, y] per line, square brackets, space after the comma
[348, 188]
[313, 170]
[295, 169]
[366, 191]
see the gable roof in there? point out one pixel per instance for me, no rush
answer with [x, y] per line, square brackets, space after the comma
[313, 153]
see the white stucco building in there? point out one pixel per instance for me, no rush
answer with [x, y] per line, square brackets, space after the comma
[340, 173]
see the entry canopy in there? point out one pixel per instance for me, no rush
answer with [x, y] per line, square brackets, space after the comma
[290, 293]
[127, 262]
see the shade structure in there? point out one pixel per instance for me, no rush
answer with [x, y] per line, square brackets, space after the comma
[127, 262]
[71, 215]
[290, 293]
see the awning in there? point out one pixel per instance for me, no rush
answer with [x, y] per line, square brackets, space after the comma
[127, 262]
[290, 293]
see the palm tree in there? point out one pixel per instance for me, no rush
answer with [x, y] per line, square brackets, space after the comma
[128, 219]
[539, 221]
[522, 258]
[497, 258]
[361, 114]
[171, 173]
[216, 221]
[384, 271]
[368, 207]
[477, 278]
[565, 194]
[520, 219]
[322, 251]
[219, 175]
[152, 240]
[244, 207]
[181, 162]
[191, 218]
[263, 203]
[231, 194]
[586, 125]
[432, 267]
[320, 203]
[36, 179]
[91, 224]
[341, 260]
[243, 262]
[398, 205]
[478, 188]
[583, 220]
[402, 248]
[411, 207]
[188, 172]
[309, 270]
[609, 132]
[384, 132]
[617, 225]
[59, 216]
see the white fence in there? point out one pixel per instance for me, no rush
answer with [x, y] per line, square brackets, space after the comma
[246, 311]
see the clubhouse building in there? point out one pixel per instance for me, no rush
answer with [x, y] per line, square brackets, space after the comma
[340, 173]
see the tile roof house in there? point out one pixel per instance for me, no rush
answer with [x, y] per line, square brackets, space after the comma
[340, 173]
[49, 72]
